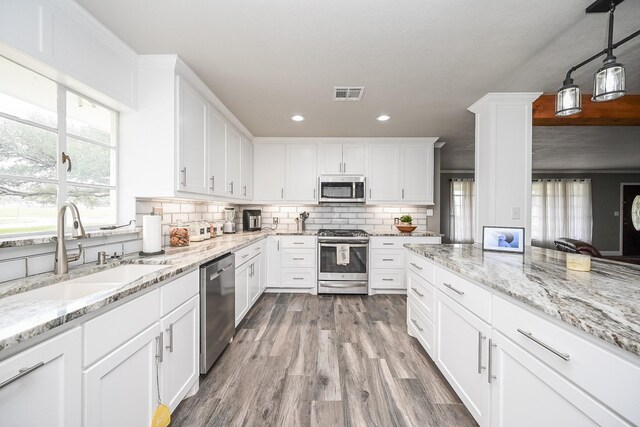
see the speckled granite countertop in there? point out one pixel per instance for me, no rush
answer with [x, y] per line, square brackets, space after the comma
[604, 302]
[22, 318]
[38, 239]
[398, 234]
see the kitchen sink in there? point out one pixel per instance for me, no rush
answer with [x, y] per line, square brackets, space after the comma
[103, 281]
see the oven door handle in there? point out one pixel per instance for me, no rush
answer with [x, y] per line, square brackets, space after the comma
[345, 284]
[353, 245]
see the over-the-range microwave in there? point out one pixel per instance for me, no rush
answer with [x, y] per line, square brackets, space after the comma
[342, 189]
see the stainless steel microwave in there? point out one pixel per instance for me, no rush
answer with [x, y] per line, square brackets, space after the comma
[342, 189]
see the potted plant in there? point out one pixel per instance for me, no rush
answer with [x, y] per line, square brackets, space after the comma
[405, 225]
[406, 219]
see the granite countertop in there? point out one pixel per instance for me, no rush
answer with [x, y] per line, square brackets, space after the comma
[22, 318]
[399, 234]
[604, 302]
[38, 239]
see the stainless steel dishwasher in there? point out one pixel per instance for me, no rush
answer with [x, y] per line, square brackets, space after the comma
[217, 308]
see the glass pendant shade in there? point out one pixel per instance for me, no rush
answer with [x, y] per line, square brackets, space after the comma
[608, 82]
[568, 100]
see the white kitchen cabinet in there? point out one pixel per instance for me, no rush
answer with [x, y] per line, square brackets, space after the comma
[292, 263]
[270, 169]
[42, 385]
[217, 153]
[121, 389]
[242, 291]
[263, 266]
[383, 175]
[301, 176]
[192, 141]
[234, 162]
[416, 167]
[247, 168]
[527, 392]
[181, 340]
[461, 354]
[338, 158]
[254, 279]
[274, 262]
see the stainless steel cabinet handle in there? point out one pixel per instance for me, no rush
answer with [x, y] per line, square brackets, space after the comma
[344, 168]
[387, 280]
[213, 183]
[314, 193]
[183, 171]
[278, 245]
[563, 356]
[417, 266]
[387, 259]
[170, 331]
[159, 348]
[369, 192]
[388, 244]
[244, 256]
[403, 193]
[416, 291]
[298, 259]
[244, 190]
[417, 326]
[298, 243]
[480, 339]
[231, 187]
[298, 278]
[453, 289]
[490, 376]
[22, 372]
[282, 193]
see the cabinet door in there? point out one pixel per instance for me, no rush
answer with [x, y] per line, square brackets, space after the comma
[247, 168]
[234, 160]
[180, 369]
[263, 269]
[242, 291]
[416, 164]
[274, 263]
[353, 159]
[527, 392]
[192, 142]
[461, 354]
[254, 280]
[46, 390]
[330, 159]
[301, 172]
[217, 152]
[121, 389]
[269, 161]
[383, 178]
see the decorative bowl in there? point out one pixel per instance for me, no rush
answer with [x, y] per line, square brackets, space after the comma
[406, 228]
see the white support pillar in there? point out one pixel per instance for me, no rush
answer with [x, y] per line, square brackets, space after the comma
[503, 161]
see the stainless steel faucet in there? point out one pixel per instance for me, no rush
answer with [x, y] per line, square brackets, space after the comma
[62, 259]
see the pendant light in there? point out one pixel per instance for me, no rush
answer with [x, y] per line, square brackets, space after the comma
[608, 81]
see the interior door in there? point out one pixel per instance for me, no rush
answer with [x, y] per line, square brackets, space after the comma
[234, 159]
[217, 152]
[192, 120]
[630, 234]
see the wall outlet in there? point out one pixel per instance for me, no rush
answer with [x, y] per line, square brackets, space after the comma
[515, 213]
[276, 220]
[429, 212]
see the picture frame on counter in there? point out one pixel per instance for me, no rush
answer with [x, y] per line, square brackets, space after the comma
[503, 239]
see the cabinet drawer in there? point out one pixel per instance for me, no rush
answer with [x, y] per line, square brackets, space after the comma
[387, 242]
[420, 266]
[257, 248]
[387, 279]
[605, 375]
[421, 293]
[387, 259]
[243, 255]
[420, 326]
[299, 258]
[469, 295]
[299, 278]
[107, 332]
[179, 291]
[298, 242]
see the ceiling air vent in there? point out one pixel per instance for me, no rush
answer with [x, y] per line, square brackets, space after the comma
[348, 93]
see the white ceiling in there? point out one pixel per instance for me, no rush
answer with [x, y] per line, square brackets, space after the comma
[422, 62]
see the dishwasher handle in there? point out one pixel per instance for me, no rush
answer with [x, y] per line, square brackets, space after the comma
[219, 273]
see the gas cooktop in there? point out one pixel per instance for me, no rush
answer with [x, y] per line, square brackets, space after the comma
[325, 232]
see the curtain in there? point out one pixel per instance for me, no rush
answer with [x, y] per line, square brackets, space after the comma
[560, 208]
[461, 211]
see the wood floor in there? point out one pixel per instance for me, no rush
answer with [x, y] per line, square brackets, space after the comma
[304, 360]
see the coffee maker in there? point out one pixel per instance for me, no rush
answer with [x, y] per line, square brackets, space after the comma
[252, 220]
[229, 226]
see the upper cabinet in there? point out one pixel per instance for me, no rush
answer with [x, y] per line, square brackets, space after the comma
[383, 177]
[416, 167]
[247, 168]
[234, 163]
[192, 138]
[341, 159]
[269, 168]
[217, 153]
[302, 176]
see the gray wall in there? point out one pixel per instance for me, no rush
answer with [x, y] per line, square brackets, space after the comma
[605, 188]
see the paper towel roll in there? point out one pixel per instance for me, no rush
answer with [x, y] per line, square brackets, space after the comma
[151, 233]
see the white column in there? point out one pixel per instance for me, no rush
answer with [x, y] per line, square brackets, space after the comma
[503, 161]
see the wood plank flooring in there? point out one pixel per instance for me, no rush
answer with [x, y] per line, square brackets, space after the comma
[305, 360]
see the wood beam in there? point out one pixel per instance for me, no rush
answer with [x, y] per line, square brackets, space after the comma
[623, 111]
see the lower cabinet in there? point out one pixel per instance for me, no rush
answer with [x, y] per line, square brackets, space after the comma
[181, 342]
[292, 263]
[461, 354]
[250, 278]
[242, 291]
[122, 388]
[42, 385]
[274, 262]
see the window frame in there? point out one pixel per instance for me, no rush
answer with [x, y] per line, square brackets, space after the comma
[62, 136]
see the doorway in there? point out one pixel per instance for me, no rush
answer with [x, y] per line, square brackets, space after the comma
[630, 235]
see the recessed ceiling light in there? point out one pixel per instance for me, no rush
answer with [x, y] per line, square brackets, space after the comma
[383, 117]
[297, 118]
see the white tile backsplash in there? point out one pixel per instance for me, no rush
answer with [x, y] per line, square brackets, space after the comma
[14, 269]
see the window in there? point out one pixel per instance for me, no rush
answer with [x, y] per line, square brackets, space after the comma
[39, 121]
[560, 208]
[462, 211]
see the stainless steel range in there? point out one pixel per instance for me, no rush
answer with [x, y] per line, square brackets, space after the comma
[342, 261]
